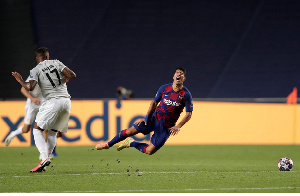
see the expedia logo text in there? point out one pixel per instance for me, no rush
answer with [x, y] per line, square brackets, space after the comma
[172, 103]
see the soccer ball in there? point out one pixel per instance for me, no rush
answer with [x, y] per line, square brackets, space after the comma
[285, 164]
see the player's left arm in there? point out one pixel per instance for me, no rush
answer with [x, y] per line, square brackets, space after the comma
[152, 106]
[189, 109]
[68, 74]
[175, 130]
[30, 85]
[150, 111]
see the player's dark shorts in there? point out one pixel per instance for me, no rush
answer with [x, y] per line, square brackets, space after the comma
[160, 135]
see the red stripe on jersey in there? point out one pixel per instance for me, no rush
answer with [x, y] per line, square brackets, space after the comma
[158, 117]
[171, 109]
[168, 89]
[173, 96]
[171, 105]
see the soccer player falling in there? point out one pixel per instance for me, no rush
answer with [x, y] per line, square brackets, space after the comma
[161, 117]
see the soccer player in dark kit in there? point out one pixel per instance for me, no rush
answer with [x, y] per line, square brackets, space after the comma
[161, 117]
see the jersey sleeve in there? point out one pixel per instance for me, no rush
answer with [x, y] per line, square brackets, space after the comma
[60, 65]
[189, 106]
[159, 93]
[27, 80]
[34, 75]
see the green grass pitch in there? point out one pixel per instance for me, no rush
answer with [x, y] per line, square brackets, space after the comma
[173, 169]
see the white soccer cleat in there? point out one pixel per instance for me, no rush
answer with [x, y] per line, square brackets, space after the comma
[8, 139]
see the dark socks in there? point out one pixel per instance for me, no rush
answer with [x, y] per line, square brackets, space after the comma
[139, 146]
[119, 137]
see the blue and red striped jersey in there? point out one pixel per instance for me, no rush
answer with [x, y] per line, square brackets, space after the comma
[171, 104]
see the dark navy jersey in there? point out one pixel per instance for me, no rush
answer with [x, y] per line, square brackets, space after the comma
[171, 104]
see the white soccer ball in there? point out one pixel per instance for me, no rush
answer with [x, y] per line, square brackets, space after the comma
[285, 164]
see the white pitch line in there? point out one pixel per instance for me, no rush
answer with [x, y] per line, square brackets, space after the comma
[182, 190]
[207, 189]
[123, 173]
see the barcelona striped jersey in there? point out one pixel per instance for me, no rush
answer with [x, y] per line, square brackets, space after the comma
[171, 104]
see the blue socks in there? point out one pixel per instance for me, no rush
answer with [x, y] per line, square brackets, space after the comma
[119, 137]
[122, 135]
[139, 146]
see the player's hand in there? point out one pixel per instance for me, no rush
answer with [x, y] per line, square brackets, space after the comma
[138, 122]
[174, 130]
[66, 79]
[17, 76]
[36, 101]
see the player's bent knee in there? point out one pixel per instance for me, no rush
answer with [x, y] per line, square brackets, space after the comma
[151, 149]
[131, 131]
[150, 153]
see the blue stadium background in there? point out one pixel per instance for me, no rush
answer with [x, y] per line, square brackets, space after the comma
[230, 48]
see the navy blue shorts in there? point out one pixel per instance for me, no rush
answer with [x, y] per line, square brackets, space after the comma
[160, 135]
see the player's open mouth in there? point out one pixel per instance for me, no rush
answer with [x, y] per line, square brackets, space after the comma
[178, 78]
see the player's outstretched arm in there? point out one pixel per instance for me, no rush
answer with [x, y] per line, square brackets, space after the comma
[174, 130]
[25, 92]
[151, 108]
[150, 111]
[68, 74]
[29, 86]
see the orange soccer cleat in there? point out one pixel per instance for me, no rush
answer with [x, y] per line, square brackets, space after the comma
[41, 166]
[102, 146]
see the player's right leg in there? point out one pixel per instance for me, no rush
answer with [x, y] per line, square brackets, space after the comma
[54, 153]
[142, 147]
[41, 123]
[40, 143]
[119, 137]
[158, 139]
[51, 142]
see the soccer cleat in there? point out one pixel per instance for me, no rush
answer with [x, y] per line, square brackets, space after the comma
[8, 139]
[126, 144]
[36, 169]
[42, 166]
[102, 146]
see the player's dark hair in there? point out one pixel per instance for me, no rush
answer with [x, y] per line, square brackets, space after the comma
[43, 51]
[182, 69]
